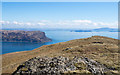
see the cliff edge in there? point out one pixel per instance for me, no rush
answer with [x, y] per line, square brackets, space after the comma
[23, 36]
[98, 53]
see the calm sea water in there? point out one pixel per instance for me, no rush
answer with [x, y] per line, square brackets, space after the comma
[56, 36]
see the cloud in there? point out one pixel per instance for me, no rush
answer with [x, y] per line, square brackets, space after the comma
[82, 21]
[28, 23]
[4, 22]
[41, 23]
[78, 24]
[14, 22]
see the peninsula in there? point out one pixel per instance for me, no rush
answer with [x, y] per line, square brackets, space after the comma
[24, 36]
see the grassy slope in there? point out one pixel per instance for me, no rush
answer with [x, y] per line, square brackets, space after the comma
[106, 53]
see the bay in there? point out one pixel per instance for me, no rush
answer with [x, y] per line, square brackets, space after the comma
[56, 36]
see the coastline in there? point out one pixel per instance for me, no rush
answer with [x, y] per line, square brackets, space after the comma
[12, 60]
[55, 43]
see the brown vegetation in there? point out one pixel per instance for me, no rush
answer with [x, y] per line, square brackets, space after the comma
[101, 49]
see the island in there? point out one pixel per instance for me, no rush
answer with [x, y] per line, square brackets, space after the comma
[97, 30]
[24, 36]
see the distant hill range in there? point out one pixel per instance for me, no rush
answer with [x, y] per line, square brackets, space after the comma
[99, 30]
[23, 36]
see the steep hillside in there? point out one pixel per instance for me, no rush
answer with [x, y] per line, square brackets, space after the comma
[101, 49]
[23, 36]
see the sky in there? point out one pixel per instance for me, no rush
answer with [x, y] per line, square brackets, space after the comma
[60, 0]
[59, 15]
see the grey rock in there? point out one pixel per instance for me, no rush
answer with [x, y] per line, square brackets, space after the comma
[58, 65]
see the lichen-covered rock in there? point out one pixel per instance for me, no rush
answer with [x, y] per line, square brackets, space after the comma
[60, 65]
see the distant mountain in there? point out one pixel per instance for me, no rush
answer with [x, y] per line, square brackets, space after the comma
[82, 30]
[105, 29]
[23, 36]
[99, 30]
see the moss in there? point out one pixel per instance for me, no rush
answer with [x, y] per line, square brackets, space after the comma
[23, 64]
[80, 66]
[24, 69]
[111, 73]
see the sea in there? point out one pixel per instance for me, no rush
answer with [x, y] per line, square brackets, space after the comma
[56, 36]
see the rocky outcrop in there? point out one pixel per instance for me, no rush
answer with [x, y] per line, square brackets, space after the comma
[95, 67]
[23, 36]
[60, 65]
[103, 50]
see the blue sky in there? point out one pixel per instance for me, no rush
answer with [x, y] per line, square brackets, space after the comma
[66, 15]
[60, 0]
